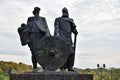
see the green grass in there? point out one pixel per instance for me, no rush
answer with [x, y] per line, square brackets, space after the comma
[3, 77]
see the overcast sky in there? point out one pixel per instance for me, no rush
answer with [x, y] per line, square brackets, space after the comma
[98, 24]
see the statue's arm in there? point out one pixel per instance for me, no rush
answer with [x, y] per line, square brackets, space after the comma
[47, 29]
[74, 30]
[56, 25]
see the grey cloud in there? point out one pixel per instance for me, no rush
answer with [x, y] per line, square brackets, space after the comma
[13, 52]
[8, 35]
[96, 10]
[100, 42]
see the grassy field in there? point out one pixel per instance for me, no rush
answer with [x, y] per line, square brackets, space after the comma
[3, 77]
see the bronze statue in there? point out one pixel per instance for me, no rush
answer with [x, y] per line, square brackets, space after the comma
[51, 52]
[64, 26]
[37, 29]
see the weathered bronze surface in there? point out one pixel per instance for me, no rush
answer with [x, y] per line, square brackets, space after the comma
[64, 27]
[52, 53]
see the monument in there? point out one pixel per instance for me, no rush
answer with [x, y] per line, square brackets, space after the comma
[51, 52]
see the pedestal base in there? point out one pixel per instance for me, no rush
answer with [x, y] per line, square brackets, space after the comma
[51, 76]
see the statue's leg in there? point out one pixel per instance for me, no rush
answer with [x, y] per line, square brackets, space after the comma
[71, 62]
[65, 66]
[34, 62]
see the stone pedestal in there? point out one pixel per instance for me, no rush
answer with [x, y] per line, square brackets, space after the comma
[51, 76]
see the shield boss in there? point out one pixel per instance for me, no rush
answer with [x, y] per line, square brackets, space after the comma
[52, 53]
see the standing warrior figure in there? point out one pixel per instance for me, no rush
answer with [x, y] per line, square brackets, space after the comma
[36, 29]
[64, 26]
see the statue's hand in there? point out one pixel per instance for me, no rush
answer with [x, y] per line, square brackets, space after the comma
[48, 35]
[75, 32]
[57, 35]
[43, 30]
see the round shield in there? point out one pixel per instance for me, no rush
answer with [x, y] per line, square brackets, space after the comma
[52, 53]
